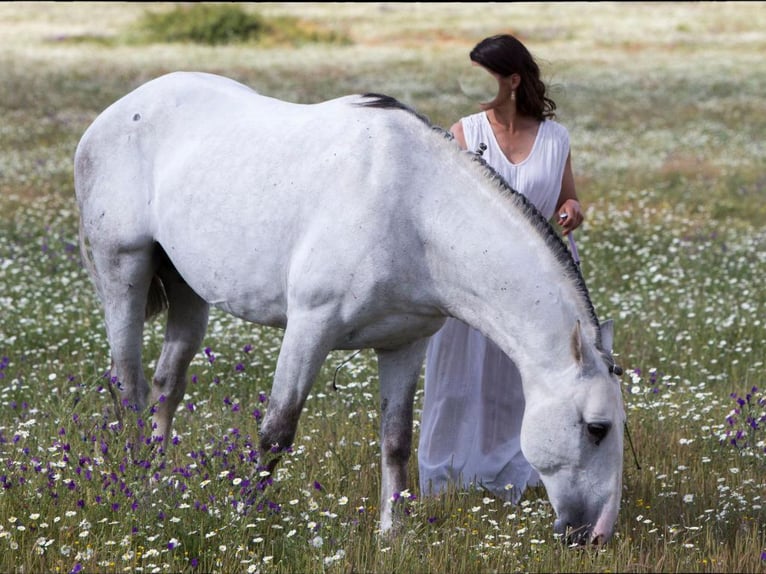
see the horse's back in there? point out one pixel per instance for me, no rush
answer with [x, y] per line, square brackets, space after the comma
[252, 198]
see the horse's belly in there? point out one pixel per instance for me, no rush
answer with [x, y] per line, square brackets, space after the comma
[227, 275]
[389, 332]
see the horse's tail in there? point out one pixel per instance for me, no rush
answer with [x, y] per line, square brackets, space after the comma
[157, 298]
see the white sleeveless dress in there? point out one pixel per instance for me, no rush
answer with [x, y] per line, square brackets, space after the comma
[473, 403]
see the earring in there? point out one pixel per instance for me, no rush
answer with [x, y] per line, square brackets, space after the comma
[513, 95]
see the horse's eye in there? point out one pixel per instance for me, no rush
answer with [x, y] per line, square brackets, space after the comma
[598, 430]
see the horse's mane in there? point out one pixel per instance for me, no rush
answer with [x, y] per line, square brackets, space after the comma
[552, 239]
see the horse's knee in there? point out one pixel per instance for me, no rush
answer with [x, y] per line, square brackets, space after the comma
[396, 447]
[277, 432]
[168, 391]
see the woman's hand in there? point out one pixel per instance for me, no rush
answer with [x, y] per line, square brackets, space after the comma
[569, 216]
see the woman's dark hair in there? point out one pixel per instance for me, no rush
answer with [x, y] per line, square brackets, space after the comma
[505, 55]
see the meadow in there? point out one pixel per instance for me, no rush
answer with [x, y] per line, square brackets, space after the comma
[666, 110]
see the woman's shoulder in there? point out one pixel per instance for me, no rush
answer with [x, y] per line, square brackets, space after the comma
[473, 119]
[556, 131]
[555, 127]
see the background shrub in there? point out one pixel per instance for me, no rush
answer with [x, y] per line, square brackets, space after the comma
[216, 24]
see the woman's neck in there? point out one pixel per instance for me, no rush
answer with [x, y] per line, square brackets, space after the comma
[508, 119]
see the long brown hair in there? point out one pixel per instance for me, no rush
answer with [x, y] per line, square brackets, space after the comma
[505, 55]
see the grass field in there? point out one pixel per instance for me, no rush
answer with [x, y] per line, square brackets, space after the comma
[666, 110]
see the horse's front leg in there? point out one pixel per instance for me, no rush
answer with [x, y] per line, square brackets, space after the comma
[399, 372]
[305, 346]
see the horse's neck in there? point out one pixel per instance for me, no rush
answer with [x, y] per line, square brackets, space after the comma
[494, 271]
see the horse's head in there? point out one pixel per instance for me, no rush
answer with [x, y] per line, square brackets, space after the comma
[572, 435]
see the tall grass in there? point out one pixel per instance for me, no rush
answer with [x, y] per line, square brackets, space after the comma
[665, 107]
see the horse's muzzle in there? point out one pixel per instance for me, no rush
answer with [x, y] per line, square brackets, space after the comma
[578, 535]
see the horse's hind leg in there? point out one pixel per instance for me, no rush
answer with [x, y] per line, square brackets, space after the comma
[186, 326]
[123, 276]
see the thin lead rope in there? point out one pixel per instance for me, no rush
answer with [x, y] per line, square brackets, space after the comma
[630, 442]
[576, 257]
[343, 364]
[573, 248]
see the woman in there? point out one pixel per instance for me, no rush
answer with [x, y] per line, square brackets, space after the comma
[474, 402]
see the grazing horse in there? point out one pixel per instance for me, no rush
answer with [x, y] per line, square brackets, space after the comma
[351, 223]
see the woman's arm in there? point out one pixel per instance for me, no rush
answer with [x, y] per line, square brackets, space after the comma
[569, 214]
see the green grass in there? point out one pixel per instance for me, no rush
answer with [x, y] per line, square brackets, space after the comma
[665, 109]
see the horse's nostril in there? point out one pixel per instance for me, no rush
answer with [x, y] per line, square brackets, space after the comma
[598, 540]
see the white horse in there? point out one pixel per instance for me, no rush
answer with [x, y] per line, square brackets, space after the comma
[351, 224]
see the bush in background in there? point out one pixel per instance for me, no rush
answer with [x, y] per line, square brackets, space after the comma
[218, 24]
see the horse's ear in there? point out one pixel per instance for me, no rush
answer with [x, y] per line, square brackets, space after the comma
[607, 335]
[577, 349]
